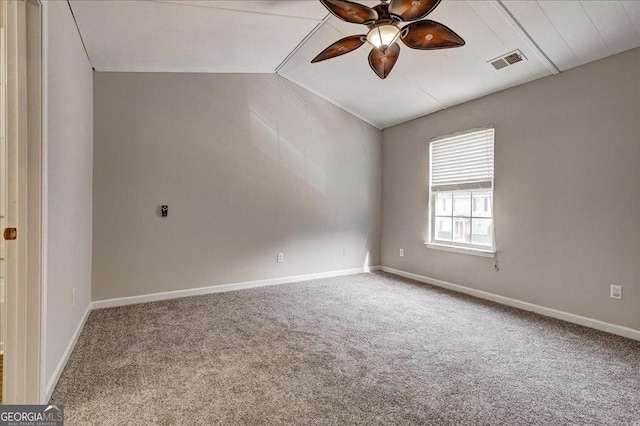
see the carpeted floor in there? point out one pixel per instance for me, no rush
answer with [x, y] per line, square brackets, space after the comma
[361, 349]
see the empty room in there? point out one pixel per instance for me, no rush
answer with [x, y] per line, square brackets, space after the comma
[331, 212]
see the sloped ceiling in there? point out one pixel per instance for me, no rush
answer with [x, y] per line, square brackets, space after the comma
[234, 36]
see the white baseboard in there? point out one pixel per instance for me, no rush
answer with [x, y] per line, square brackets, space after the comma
[65, 356]
[549, 312]
[153, 297]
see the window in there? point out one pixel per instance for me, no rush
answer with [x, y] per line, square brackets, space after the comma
[461, 191]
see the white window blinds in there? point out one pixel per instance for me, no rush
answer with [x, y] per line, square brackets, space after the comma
[463, 161]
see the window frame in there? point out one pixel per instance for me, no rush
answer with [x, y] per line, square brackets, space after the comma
[433, 216]
[455, 246]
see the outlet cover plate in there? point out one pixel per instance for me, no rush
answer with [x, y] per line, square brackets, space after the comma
[615, 292]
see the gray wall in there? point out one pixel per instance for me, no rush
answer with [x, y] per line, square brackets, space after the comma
[68, 181]
[249, 165]
[567, 192]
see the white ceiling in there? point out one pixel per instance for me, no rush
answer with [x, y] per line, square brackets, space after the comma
[192, 36]
[260, 36]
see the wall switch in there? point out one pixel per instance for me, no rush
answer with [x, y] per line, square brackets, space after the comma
[73, 297]
[280, 257]
[615, 292]
[401, 252]
[345, 252]
[164, 210]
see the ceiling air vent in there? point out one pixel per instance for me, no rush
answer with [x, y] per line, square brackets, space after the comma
[499, 63]
[508, 59]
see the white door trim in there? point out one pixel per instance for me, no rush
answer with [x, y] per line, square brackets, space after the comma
[44, 197]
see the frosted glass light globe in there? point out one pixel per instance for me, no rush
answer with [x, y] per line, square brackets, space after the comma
[383, 36]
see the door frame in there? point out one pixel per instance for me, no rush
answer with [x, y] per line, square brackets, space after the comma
[24, 22]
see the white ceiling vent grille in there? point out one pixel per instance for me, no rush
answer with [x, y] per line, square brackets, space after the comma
[508, 59]
[499, 63]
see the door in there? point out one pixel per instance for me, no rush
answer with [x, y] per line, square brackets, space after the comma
[3, 195]
[20, 186]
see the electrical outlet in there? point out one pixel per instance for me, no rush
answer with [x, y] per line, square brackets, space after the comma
[615, 292]
[345, 252]
[401, 252]
[73, 297]
[280, 257]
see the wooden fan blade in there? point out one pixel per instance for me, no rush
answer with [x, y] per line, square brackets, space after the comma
[410, 10]
[340, 47]
[350, 11]
[382, 62]
[430, 35]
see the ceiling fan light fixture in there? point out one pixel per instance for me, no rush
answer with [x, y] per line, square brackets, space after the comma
[383, 36]
[383, 22]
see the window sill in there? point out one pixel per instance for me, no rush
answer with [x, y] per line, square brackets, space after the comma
[462, 250]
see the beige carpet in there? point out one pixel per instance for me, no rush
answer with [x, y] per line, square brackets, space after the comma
[363, 349]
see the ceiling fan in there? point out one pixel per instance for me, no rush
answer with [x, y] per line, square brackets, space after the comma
[383, 22]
